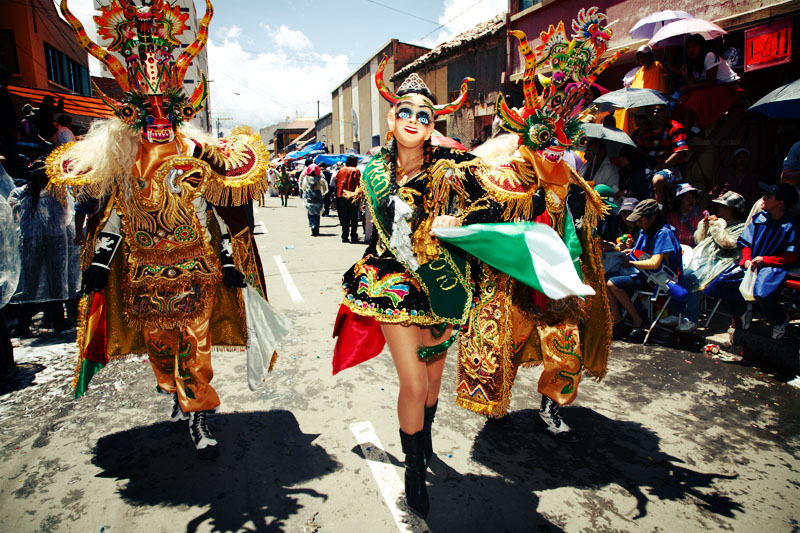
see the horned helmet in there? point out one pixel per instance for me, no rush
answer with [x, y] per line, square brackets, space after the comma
[154, 102]
[548, 122]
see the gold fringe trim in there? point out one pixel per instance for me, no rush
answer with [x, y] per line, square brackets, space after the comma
[490, 410]
[428, 319]
[242, 147]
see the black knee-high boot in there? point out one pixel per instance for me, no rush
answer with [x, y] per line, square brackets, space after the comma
[416, 492]
[430, 414]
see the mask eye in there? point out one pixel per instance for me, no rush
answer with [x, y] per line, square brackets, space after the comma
[539, 134]
[582, 140]
[543, 136]
[423, 118]
[404, 113]
[188, 112]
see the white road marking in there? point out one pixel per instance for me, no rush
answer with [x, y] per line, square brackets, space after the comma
[263, 228]
[386, 477]
[287, 279]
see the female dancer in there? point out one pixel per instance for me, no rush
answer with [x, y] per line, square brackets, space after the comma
[409, 290]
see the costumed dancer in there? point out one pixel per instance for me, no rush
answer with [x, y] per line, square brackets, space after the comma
[514, 324]
[165, 268]
[409, 290]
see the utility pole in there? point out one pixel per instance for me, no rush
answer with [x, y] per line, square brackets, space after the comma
[317, 109]
[219, 119]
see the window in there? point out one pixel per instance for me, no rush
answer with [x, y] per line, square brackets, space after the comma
[66, 72]
[8, 51]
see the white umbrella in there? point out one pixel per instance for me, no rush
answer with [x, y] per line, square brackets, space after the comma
[675, 33]
[649, 25]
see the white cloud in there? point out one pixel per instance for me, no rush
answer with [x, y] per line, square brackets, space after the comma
[285, 37]
[272, 85]
[461, 15]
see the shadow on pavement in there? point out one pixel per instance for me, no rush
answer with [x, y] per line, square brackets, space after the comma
[264, 455]
[19, 376]
[611, 452]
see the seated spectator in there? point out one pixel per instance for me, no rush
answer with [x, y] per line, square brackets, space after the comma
[649, 76]
[741, 179]
[657, 239]
[635, 179]
[769, 246]
[716, 251]
[664, 144]
[688, 215]
[711, 88]
[598, 167]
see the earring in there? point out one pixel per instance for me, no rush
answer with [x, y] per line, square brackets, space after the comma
[389, 136]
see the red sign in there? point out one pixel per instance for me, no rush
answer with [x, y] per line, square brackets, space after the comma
[768, 45]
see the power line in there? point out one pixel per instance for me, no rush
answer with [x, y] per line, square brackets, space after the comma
[451, 20]
[401, 11]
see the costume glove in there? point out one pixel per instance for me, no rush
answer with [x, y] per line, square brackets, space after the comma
[576, 202]
[96, 276]
[231, 277]
[538, 204]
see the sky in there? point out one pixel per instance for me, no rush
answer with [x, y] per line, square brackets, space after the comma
[272, 60]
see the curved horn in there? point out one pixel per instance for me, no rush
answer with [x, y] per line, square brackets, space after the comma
[528, 83]
[511, 121]
[381, 85]
[200, 93]
[186, 57]
[452, 106]
[113, 64]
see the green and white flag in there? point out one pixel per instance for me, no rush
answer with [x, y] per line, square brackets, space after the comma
[530, 252]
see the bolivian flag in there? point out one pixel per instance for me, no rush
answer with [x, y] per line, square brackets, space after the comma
[93, 348]
[529, 252]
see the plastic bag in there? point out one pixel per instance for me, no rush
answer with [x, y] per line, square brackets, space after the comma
[265, 329]
[748, 284]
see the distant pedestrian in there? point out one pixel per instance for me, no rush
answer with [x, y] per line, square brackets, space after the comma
[326, 200]
[283, 184]
[347, 181]
[313, 188]
[45, 117]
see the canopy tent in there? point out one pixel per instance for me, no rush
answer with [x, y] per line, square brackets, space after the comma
[87, 106]
[332, 159]
[299, 154]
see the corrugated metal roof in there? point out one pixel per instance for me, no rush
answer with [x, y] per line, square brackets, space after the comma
[484, 29]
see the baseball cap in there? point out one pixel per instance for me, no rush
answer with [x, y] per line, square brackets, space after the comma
[628, 204]
[683, 188]
[644, 49]
[606, 193]
[741, 150]
[644, 208]
[782, 191]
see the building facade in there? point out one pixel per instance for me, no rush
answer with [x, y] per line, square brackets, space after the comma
[358, 114]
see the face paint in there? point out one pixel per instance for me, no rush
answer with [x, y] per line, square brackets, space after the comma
[551, 136]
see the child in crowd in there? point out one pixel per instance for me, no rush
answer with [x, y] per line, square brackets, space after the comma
[688, 215]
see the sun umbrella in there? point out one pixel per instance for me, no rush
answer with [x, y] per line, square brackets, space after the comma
[649, 25]
[675, 33]
[609, 135]
[627, 98]
[782, 102]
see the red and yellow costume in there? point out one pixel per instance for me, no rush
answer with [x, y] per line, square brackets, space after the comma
[513, 325]
[174, 210]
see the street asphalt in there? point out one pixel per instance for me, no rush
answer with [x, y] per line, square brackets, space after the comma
[673, 440]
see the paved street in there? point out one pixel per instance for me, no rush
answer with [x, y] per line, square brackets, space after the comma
[673, 440]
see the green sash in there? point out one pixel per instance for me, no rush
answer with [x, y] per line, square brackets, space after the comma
[446, 279]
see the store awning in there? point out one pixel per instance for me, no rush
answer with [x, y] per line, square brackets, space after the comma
[87, 106]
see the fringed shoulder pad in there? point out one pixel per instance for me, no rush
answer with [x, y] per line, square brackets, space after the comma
[62, 179]
[238, 168]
